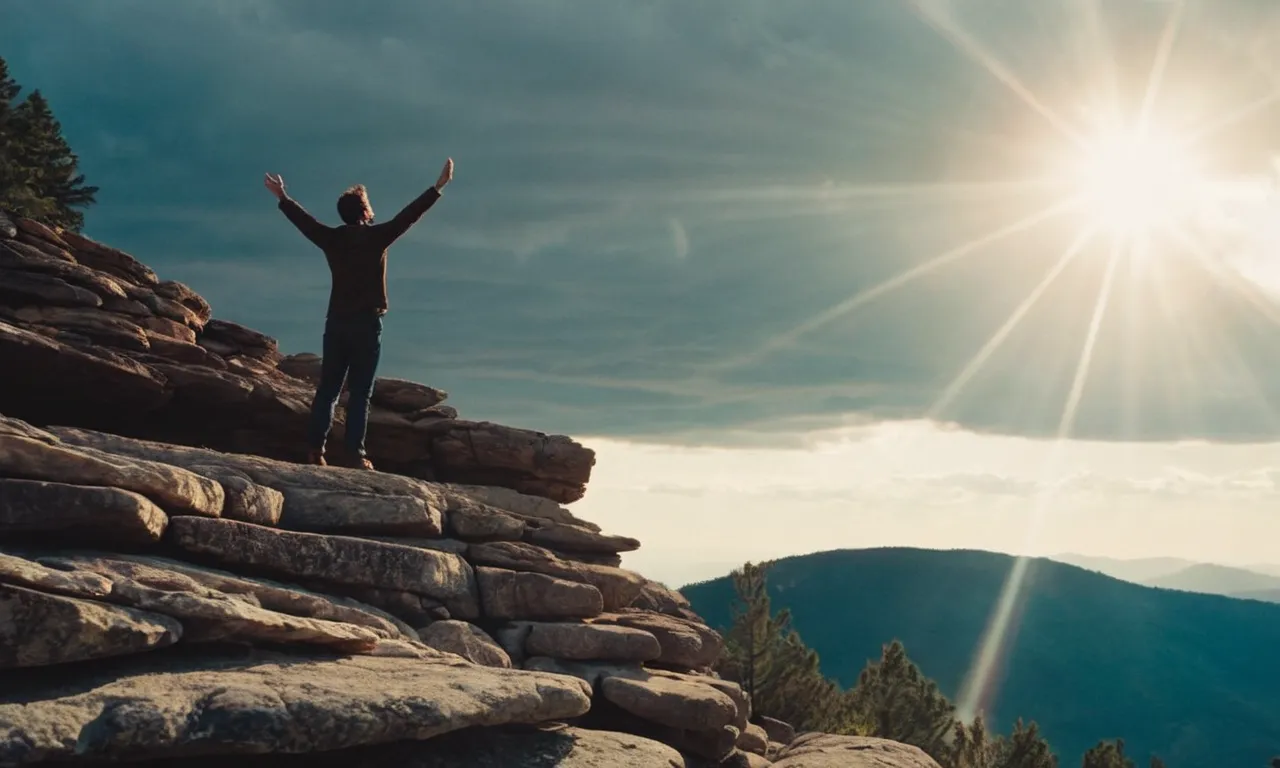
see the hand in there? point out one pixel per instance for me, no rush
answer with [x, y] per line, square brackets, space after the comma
[275, 184]
[446, 175]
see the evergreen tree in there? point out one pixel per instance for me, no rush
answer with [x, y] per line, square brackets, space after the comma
[974, 747]
[773, 665]
[1024, 748]
[1156, 762]
[11, 177]
[39, 176]
[971, 746]
[1275, 762]
[896, 701]
[1107, 754]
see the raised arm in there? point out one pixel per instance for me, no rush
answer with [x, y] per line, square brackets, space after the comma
[306, 223]
[391, 231]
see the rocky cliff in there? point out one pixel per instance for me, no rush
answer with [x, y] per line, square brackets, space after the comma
[174, 586]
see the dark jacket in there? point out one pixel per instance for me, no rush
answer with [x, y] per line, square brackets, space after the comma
[357, 253]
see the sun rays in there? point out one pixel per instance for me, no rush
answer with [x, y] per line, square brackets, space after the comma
[1138, 192]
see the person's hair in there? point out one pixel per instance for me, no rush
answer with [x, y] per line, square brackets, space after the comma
[353, 205]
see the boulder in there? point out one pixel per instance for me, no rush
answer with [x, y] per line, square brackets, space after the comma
[360, 562]
[823, 750]
[675, 703]
[54, 371]
[754, 739]
[590, 642]
[662, 599]
[107, 515]
[211, 616]
[479, 522]
[687, 712]
[407, 607]
[777, 730]
[404, 396]
[177, 490]
[685, 644]
[613, 560]
[183, 294]
[170, 350]
[38, 230]
[43, 629]
[434, 412]
[272, 473]
[522, 504]
[16, 256]
[20, 288]
[197, 386]
[549, 746]
[617, 587]
[329, 511]
[22, 572]
[534, 463]
[506, 594]
[275, 596]
[107, 259]
[245, 339]
[246, 501]
[741, 758]
[111, 328]
[193, 705]
[467, 640]
[574, 538]
[687, 702]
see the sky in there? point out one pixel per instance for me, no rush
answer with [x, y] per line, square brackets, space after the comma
[803, 274]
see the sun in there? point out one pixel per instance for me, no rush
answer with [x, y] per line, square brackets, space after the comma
[1130, 182]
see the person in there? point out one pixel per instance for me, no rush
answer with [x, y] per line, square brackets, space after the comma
[356, 252]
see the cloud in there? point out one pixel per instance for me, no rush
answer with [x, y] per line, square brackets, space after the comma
[645, 191]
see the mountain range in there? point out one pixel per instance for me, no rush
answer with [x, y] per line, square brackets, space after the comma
[1193, 678]
[1255, 582]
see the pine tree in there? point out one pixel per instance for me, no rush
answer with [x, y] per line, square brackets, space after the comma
[1024, 748]
[39, 175]
[1107, 754]
[11, 177]
[896, 701]
[1275, 762]
[775, 668]
[971, 746]
[51, 165]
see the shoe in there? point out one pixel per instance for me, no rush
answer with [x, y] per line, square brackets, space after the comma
[316, 458]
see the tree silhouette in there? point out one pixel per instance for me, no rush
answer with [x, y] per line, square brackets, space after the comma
[776, 669]
[1024, 748]
[896, 701]
[39, 174]
[1107, 754]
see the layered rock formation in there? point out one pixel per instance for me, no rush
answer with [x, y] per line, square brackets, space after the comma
[104, 343]
[173, 587]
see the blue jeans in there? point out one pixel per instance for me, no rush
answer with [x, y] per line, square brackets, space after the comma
[352, 346]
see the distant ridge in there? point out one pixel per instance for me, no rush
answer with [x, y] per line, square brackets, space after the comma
[1090, 656]
[1138, 570]
[1218, 580]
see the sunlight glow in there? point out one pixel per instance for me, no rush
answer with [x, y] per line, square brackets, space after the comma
[1149, 194]
[1131, 182]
